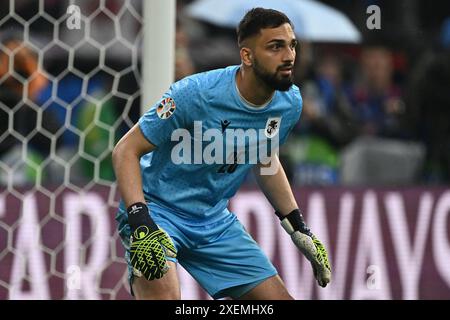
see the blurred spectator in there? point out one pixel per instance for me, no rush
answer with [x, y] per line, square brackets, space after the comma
[430, 107]
[384, 153]
[326, 110]
[326, 125]
[376, 100]
[24, 90]
[22, 82]
[81, 121]
[183, 62]
[25, 65]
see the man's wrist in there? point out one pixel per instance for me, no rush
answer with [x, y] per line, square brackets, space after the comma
[138, 215]
[294, 222]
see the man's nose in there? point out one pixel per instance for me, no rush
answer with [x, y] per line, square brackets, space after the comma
[289, 55]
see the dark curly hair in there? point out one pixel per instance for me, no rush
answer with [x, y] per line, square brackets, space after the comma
[257, 19]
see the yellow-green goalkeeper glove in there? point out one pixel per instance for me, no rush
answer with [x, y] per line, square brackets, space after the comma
[308, 244]
[149, 244]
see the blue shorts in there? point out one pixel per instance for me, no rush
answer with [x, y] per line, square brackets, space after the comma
[221, 256]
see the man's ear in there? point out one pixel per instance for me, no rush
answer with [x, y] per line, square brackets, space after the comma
[246, 56]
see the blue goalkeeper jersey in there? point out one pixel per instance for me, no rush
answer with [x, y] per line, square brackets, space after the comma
[207, 137]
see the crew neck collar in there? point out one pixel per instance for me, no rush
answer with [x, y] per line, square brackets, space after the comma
[245, 102]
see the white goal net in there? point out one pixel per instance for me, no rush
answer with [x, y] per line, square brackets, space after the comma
[69, 89]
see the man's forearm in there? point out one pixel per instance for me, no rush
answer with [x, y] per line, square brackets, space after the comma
[277, 189]
[128, 175]
[125, 157]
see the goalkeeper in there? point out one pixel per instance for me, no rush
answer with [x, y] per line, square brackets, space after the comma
[175, 211]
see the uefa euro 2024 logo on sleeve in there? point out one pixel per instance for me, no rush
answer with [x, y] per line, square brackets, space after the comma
[250, 146]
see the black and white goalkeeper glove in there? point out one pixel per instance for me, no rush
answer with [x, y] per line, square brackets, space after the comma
[149, 244]
[308, 244]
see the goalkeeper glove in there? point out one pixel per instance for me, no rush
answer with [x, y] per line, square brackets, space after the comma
[149, 244]
[308, 244]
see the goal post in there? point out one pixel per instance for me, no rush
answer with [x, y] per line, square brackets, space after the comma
[158, 63]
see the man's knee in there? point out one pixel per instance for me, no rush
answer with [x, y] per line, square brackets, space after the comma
[271, 289]
[166, 288]
[146, 290]
[158, 295]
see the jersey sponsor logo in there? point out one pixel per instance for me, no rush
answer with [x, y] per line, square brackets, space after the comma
[272, 127]
[166, 108]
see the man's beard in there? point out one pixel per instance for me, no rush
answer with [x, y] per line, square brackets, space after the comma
[271, 80]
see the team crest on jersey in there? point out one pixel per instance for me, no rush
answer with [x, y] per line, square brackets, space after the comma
[272, 127]
[166, 108]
